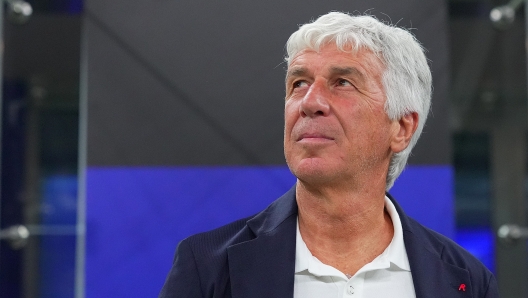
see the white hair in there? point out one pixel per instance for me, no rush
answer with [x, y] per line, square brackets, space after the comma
[406, 79]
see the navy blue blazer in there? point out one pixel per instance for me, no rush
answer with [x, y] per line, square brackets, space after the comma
[255, 257]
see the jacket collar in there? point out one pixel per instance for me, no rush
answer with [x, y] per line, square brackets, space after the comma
[276, 213]
[265, 266]
[432, 277]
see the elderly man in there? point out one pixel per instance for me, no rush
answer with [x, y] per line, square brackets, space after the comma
[357, 95]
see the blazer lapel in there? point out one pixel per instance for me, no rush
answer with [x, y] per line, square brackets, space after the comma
[432, 277]
[265, 266]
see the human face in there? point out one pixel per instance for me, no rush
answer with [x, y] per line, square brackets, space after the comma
[336, 128]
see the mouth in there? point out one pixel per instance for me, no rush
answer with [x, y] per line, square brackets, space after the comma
[314, 137]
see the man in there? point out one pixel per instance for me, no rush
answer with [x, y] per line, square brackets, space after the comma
[357, 96]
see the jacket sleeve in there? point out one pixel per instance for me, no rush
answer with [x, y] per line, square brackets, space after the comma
[183, 280]
[493, 289]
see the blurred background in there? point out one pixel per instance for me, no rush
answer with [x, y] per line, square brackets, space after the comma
[127, 127]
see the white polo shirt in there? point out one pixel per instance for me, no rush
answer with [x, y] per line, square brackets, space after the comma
[388, 275]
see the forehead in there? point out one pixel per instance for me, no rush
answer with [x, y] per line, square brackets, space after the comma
[329, 57]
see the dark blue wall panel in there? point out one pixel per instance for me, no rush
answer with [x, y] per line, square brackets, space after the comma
[136, 216]
[427, 194]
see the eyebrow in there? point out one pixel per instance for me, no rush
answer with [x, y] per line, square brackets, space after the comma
[296, 72]
[335, 70]
[347, 71]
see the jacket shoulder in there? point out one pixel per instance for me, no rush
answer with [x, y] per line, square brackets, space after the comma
[200, 267]
[448, 250]
[482, 279]
[215, 242]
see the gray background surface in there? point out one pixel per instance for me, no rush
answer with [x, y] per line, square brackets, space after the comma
[201, 82]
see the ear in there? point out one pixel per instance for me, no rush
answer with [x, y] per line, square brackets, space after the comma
[403, 131]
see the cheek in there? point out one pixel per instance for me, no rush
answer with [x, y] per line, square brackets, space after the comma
[364, 127]
[381, 131]
[290, 117]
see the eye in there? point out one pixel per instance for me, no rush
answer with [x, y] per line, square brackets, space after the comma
[299, 83]
[343, 82]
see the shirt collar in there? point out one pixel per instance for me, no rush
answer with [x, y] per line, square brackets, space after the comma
[396, 249]
[395, 253]
[302, 253]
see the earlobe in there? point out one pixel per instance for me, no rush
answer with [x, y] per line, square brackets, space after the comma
[405, 128]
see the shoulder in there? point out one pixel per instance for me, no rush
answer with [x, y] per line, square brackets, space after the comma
[200, 265]
[447, 251]
[420, 238]
[214, 243]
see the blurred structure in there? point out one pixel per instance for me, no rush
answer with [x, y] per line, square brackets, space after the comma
[489, 121]
[38, 203]
[503, 16]
[18, 11]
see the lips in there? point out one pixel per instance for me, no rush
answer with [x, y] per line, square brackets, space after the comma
[314, 136]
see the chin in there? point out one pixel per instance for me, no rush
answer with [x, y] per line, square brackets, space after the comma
[313, 172]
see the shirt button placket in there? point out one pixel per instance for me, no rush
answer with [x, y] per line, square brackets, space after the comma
[350, 289]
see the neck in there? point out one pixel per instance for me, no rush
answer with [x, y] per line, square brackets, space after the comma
[344, 228]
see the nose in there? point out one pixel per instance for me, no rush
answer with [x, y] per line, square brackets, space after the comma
[315, 101]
